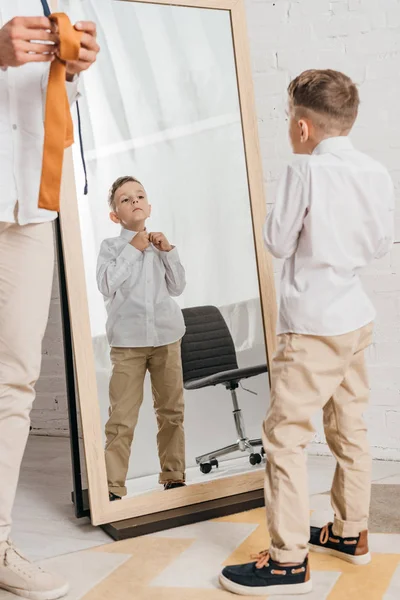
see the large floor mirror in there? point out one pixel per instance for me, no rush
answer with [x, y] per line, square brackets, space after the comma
[172, 333]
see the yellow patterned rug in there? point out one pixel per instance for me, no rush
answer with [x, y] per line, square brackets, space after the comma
[183, 564]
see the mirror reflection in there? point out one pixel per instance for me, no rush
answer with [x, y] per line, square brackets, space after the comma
[169, 253]
[138, 273]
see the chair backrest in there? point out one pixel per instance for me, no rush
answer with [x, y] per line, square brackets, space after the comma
[207, 346]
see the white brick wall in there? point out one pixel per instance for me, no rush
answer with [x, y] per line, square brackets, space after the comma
[362, 38]
[50, 416]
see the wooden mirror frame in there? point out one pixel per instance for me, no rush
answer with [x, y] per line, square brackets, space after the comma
[103, 511]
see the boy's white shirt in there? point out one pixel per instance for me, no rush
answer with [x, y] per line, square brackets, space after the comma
[137, 287]
[333, 215]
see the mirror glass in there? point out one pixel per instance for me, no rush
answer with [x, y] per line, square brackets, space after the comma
[163, 108]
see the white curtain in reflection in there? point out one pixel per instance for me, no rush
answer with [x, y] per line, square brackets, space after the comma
[162, 105]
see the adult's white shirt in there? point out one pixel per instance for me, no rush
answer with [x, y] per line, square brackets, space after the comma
[333, 215]
[22, 109]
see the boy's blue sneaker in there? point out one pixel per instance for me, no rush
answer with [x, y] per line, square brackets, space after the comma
[352, 550]
[112, 497]
[172, 485]
[266, 577]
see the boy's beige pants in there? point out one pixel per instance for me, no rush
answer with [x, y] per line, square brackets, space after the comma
[26, 274]
[310, 373]
[126, 396]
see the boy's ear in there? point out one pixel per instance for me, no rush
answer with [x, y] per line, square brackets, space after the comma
[149, 210]
[304, 127]
[114, 218]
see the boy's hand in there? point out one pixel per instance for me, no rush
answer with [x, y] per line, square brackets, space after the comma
[17, 47]
[88, 52]
[160, 242]
[141, 241]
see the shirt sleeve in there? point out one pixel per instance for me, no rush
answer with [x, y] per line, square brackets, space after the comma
[74, 89]
[174, 272]
[388, 224]
[285, 221]
[114, 266]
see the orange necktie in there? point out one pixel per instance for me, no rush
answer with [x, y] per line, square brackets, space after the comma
[58, 126]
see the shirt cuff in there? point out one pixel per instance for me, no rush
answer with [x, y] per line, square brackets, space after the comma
[73, 89]
[130, 253]
[171, 256]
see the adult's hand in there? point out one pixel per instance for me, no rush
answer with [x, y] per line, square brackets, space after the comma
[26, 40]
[88, 52]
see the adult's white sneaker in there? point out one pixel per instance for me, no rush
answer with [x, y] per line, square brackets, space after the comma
[26, 579]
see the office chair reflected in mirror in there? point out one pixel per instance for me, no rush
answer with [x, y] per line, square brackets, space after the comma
[209, 359]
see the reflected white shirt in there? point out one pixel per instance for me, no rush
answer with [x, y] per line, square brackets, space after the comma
[137, 287]
[22, 106]
[333, 215]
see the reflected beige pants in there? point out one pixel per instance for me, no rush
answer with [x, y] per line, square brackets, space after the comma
[310, 373]
[26, 274]
[126, 396]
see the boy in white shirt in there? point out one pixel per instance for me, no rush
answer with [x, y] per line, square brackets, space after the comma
[137, 273]
[333, 216]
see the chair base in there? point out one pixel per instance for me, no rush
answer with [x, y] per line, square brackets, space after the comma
[243, 445]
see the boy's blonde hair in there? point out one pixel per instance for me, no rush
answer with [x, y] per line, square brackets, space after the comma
[118, 183]
[328, 97]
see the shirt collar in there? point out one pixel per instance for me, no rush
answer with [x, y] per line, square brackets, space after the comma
[127, 234]
[333, 144]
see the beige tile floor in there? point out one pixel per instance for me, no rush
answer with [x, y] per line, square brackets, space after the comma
[44, 524]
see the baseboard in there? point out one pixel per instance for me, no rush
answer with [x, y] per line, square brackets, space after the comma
[389, 454]
[58, 433]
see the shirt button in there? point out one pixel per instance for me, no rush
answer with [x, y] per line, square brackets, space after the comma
[14, 127]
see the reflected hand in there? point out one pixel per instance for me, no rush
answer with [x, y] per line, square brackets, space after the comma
[160, 242]
[141, 241]
[88, 52]
[17, 47]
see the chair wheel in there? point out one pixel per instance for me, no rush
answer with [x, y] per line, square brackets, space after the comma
[255, 459]
[214, 463]
[206, 468]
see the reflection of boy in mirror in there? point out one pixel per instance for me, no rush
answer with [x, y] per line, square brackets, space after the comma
[137, 273]
[333, 215]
